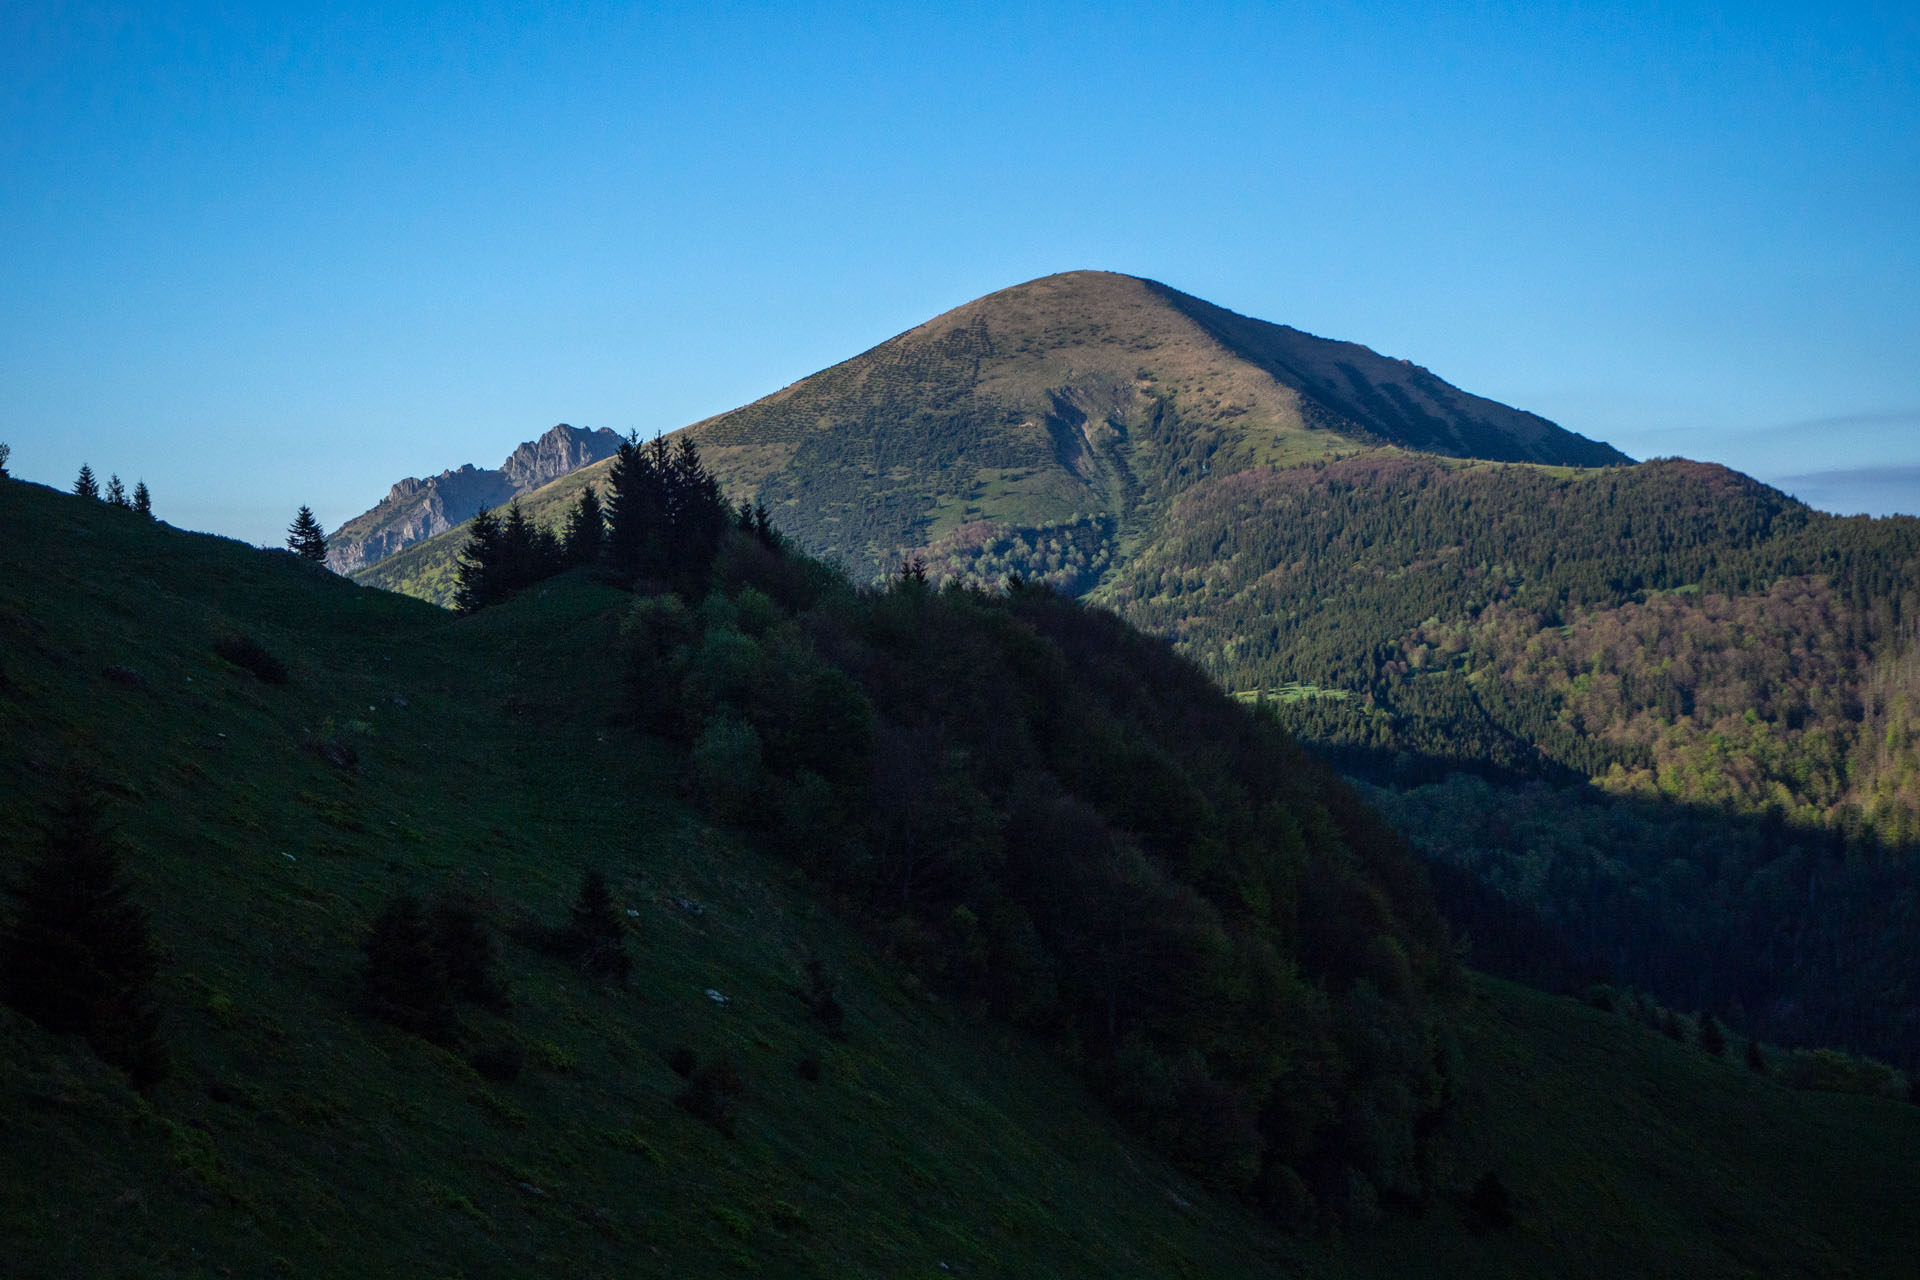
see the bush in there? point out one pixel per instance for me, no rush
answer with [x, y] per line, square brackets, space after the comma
[250, 655]
[808, 1069]
[1713, 1040]
[594, 939]
[726, 770]
[683, 1060]
[500, 1061]
[817, 994]
[713, 1093]
[1756, 1057]
[1489, 1205]
[1831, 1071]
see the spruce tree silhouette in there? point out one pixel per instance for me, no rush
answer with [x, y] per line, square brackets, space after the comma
[79, 956]
[477, 571]
[85, 485]
[142, 500]
[305, 539]
[468, 953]
[586, 529]
[594, 939]
[117, 493]
[405, 980]
[6, 451]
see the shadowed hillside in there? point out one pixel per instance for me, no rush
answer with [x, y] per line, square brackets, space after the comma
[269, 808]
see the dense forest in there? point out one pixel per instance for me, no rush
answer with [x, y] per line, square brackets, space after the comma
[1050, 817]
[1665, 711]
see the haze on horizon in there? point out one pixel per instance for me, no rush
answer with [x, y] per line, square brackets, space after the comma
[260, 259]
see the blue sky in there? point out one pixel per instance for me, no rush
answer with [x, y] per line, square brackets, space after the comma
[261, 257]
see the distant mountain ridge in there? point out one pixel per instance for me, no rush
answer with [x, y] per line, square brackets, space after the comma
[416, 509]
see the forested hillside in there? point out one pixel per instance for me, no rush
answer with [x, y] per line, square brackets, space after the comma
[1703, 688]
[451, 975]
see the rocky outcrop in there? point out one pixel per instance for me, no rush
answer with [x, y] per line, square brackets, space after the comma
[554, 454]
[415, 509]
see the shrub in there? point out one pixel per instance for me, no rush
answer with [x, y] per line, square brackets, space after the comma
[1713, 1040]
[808, 1069]
[250, 655]
[726, 770]
[1831, 1071]
[683, 1060]
[713, 1093]
[817, 994]
[594, 939]
[500, 1061]
[1756, 1056]
[1489, 1205]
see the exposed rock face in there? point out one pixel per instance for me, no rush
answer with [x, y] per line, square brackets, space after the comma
[561, 450]
[416, 509]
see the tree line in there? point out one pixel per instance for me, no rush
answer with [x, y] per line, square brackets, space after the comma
[660, 527]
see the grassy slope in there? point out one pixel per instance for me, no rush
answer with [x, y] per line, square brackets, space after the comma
[292, 1130]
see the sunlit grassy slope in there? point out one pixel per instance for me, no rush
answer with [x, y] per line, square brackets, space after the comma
[1070, 409]
[293, 1137]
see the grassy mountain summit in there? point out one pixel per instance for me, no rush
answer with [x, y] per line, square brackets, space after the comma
[1084, 395]
[1069, 410]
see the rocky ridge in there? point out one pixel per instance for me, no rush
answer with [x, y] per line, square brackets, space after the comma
[418, 508]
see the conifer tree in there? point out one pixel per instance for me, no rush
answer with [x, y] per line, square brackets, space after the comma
[697, 517]
[763, 527]
[1713, 1039]
[6, 451]
[78, 956]
[405, 981]
[586, 529]
[86, 486]
[116, 493]
[142, 500]
[476, 572]
[1756, 1057]
[305, 539]
[467, 951]
[636, 510]
[594, 939]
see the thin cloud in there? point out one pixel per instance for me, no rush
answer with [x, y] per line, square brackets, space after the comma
[1857, 475]
[1875, 491]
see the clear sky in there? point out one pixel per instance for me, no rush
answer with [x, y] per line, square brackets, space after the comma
[262, 256]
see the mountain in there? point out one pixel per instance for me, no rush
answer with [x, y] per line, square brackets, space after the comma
[268, 810]
[1071, 410]
[416, 509]
[1086, 400]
